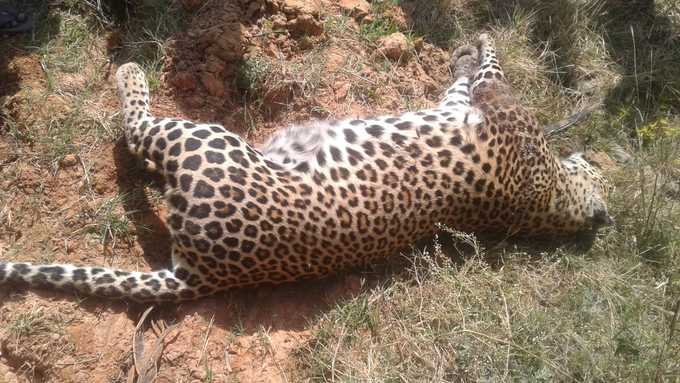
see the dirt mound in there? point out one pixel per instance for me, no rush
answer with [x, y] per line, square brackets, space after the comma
[255, 66]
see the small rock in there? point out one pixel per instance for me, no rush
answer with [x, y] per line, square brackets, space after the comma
[394, 46]
[184, 81]
[278, 22]
[101, 186]
[212, 84]
[305, 25]
[298, 7]
[69, 160]
[358, 9]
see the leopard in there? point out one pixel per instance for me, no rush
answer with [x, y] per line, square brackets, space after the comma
[329, 195]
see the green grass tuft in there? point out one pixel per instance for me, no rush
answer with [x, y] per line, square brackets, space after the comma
[111, 223]
[381, 26]
[253, 73]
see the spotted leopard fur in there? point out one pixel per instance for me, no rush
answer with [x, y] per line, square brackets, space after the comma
[324, 196]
